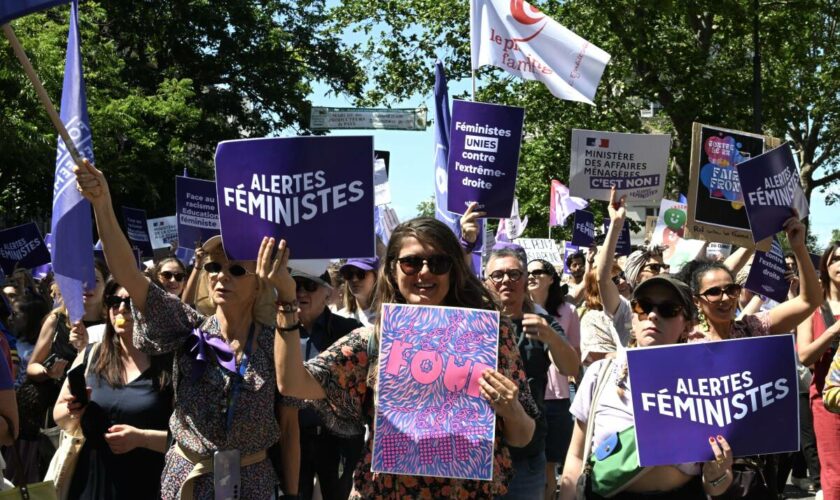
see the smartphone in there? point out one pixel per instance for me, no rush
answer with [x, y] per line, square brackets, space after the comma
[51, 359]
[226, 475]
[78, 385]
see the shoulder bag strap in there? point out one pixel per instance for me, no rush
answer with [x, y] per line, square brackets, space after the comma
[590, 422]
[828, 318]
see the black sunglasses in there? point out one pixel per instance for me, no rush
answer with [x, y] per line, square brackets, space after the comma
[513, 274]
[536, 273]
[657, 268]
[308, 285]
[732, 290]
[168, 275]
[618, 277]
[114, 301]
[352, 273]
[667, 310]
[413, 264]
[234, 270]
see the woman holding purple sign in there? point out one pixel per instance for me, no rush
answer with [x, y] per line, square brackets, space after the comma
[604, 424]
[422, 266]
[227, 409]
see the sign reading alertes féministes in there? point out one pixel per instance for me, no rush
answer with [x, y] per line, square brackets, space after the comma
[483, 157]
[314, 192]
[22, 246]
[635, 164]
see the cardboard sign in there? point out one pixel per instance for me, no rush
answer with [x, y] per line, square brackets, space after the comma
[715, 204]
[311, 191]
[540, 248]
[163, 231]
[430, 417]
[718, 251]
[745, 390]
[623, 245]
[196, 210]
[669, 231]
[583, 231]
[484, 145]
[770, 187]
[22, 246]
[767, 273]
[136, 227]
[636, 164]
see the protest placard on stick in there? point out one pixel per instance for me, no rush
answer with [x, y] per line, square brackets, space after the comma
[583, 231]
[196, 210]
[540, 248]
[137, 230]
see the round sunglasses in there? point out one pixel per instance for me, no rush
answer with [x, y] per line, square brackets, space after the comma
[667, 310]
[513, 275]
[732, 290]
[538, 273]
[437, 264]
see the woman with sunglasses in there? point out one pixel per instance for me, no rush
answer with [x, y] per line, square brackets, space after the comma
[171, 274]
[422, 266]
[359, 279]
[125, 420]
[662, 315]
[226, 399]
[545, 291]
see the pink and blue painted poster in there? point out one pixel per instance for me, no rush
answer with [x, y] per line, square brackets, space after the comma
[430, 417]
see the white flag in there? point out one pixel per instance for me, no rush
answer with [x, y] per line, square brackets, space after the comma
[517, 37]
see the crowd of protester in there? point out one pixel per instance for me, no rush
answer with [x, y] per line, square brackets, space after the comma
[186, 361]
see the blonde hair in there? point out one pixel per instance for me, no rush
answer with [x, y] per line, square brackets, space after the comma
[263, 310]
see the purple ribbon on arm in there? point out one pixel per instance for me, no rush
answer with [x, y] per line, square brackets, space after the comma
[198, 345]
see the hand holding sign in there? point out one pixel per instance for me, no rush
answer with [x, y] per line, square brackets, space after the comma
[276, 271]
[469, 223]
[795, 230]
[91, 182]
[722, 464]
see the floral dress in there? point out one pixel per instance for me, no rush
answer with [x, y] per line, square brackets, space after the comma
[342, 371]
[198, 423]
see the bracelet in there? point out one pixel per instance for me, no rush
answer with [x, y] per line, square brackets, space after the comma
[468, 246]
[714, 483]
[292, 328]
[287, 307]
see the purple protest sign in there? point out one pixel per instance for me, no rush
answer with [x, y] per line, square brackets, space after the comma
[770, 187]
[136, 227]
[196, 211]
[568, 249]
[430, 417]
[483, 157]
[767, 273]
[623, 246]
[22, 246]
[312, 191]
[745, 390]
[583, 231]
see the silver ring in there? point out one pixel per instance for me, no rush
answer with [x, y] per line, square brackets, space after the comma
[497, 398]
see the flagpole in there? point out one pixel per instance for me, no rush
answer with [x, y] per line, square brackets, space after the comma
[42, 93]
[472, 72]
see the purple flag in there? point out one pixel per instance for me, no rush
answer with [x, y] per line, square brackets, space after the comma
[770, 187]
[483, 157]
[72, 231]
[745, 390]
[430, 417]
[767, 273]
[137, 229]
[442, 120]
[13, 9]
[196, 210]
[315, 192]
[22, 246]
[583, 231]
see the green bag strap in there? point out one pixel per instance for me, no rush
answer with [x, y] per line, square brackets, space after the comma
[590, 422]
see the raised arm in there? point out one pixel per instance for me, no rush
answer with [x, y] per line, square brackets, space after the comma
[188, 295]
[738, 259]
[610, 297]
[469, 229]
[118, 254]
[786, 316]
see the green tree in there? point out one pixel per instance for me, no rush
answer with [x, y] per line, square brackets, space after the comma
[426, 208]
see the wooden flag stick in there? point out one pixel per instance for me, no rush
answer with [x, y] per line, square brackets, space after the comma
[42, 93]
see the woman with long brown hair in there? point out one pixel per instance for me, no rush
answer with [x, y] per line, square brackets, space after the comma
[422, 266]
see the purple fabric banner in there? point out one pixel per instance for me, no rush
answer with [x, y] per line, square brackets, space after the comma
[745, 390]
[312, 191]
[767, 273]
[583, 231]
[137, 229]
[430, 417]
[13, 9]
[196, 211]
[22, 246]
[623, 246]
[770, 187]
[483, 157]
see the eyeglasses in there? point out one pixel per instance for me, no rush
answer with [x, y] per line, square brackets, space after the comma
[352, 273]
[114, 302]
[437, 264]
[513, 275]
[536, 273]
[308, 285]
[233, 270]
[168, 275]
[667, 310]
[657, 268]
[618, 278]
[732, 290]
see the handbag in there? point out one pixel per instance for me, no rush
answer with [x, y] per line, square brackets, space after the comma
[748, 479]
[45, 490]
[63, 463]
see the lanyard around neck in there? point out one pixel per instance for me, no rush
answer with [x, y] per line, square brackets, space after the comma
[236, 385]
